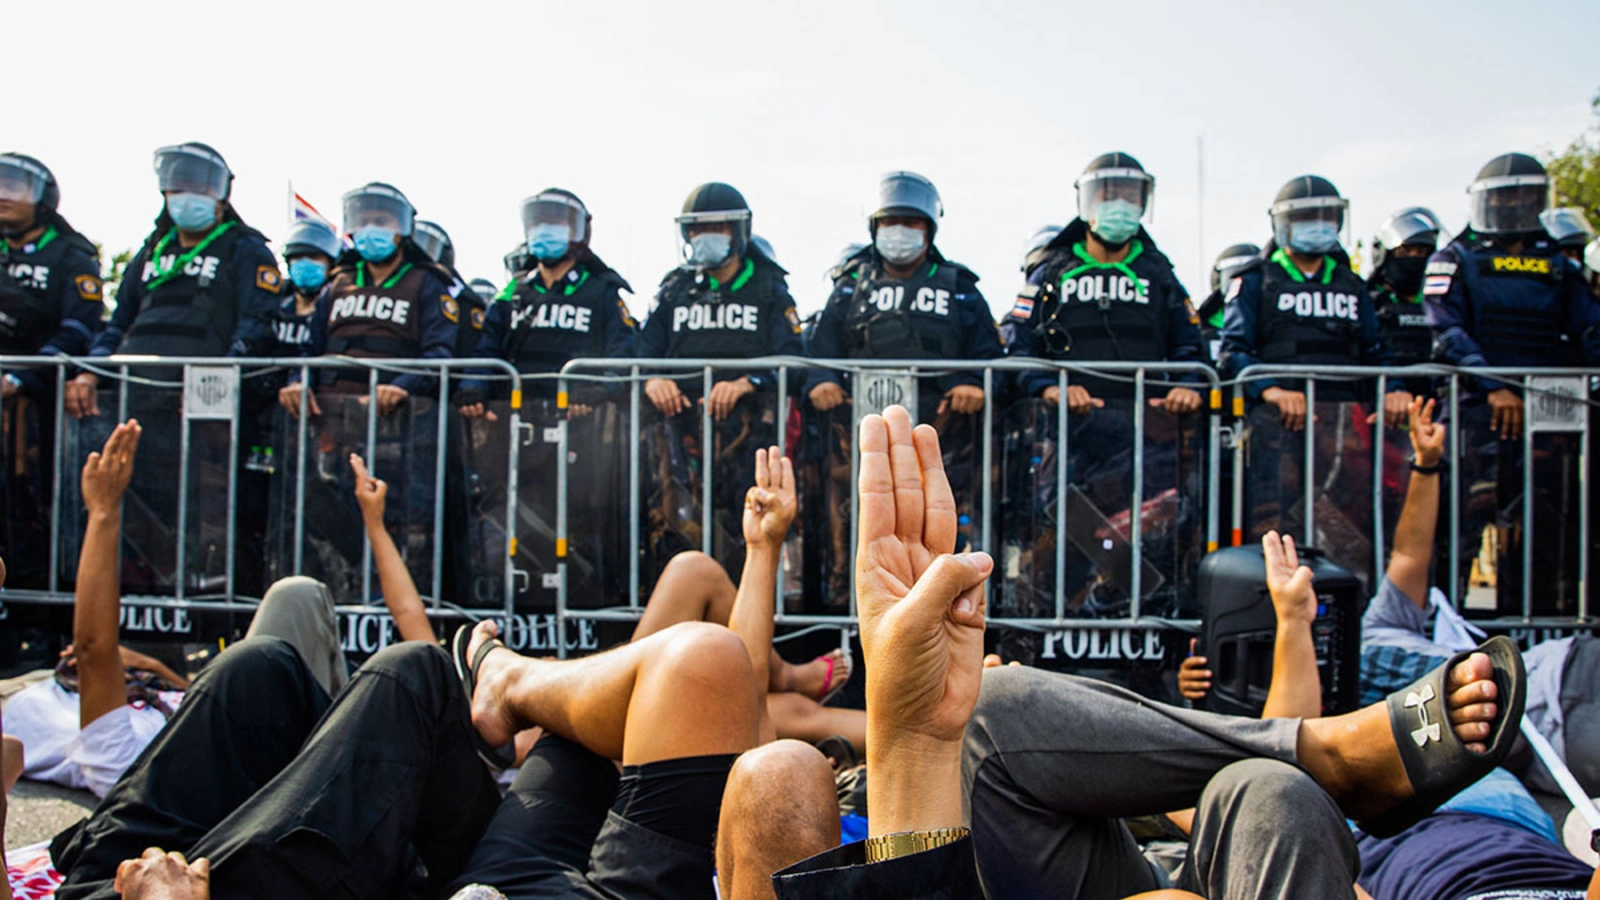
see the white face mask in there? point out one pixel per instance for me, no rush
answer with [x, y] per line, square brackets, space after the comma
[900, 244]
[709, 250]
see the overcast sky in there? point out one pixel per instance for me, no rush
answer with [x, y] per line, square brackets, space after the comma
[469, 106]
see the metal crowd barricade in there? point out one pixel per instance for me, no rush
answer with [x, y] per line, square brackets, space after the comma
[1142, 375]
[1555, 400]
[215, 382]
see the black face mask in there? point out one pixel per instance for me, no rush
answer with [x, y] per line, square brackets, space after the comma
[1403, 274]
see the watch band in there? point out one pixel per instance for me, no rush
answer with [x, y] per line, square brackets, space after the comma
[1434, 469]
[905, 843]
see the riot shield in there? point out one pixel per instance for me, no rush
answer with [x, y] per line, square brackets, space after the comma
[315, 527]
[27, 456]
[1275, 489]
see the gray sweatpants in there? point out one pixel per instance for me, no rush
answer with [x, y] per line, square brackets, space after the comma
[1052, 762]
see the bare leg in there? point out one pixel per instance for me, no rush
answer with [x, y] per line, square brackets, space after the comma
[685, 691]
[778, 809]
[804, 719]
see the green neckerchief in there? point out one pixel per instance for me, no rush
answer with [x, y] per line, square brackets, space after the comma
[391, 281]
[570, 289]
[1125, 267]
[166, 274]
[1281, 257]
[1216, 319]
[44, 240]
[855, 275]
[739, 281]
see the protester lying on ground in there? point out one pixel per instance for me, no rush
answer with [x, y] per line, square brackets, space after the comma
[695, 588]
[85, 732]
[1044, 765]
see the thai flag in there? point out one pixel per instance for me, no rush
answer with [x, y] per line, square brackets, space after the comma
[1436, 285]
[1023, 309]
[301, 209]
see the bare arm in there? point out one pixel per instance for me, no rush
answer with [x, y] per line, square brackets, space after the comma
[769, 508]
[1296, 690]
[1413, 535]
[394, 579]
[99, 596]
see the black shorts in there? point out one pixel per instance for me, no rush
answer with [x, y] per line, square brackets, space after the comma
[571, 826]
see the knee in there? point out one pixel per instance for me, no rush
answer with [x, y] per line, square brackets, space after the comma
[692, 566]
[1267, 789]
[708, 655]
[258, 660]
[782, 769]
[422, 666]
[1005, 697]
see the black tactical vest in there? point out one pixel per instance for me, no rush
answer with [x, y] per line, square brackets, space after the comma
[1405, 328]
[731, 321]
[1104, 312]
[1313, 321]
[187, 308]
[910, 318]
[30, 291]
[1516, 303]
[549, 327]
[376, 320]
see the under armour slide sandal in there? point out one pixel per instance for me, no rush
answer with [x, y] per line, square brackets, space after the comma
[1437, 763]
[494, 757]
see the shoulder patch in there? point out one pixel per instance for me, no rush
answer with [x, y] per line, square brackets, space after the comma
[1188, 307]
[268, 278]
[1436, 286]
[1024, 307]
[627, 317]
[451, 309]
[90, 288]
[477, 317]
[793, 318]
[1441, 268]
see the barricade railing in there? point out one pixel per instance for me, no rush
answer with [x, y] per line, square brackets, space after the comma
[211, 390]
[1142, 376]
[1556, 401]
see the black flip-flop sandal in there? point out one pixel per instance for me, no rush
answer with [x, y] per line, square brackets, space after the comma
[497, 758]
[1437, 763]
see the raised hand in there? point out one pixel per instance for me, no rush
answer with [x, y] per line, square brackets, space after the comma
[1288, 582]
[371, 493]
[770, 506]
[107, 471]
[1427, 436]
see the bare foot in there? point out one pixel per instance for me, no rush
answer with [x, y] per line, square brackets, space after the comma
[491, 715]
[1354, 756]
[811, 679]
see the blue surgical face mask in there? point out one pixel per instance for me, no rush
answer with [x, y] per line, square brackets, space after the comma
[307, 274]
[192, 212]
[900, 244]
[1313, 238]
[1116, 221]
[709, 250]
[375, 244]
[548, 241]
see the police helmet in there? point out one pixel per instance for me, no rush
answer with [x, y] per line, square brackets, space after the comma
[1114, 176]
[1306, 198]
[376, 203]
[311, 236]
[518, 260]
[1036, 244]
[27, 180]
[903, 193]
[848, 253]
[716, 202]
[1591, 256]
[1508, 195]
[434, 241]
[1412, 225]
[1567, 226]
[559, 207]
[1230, 262]
[764, 247]
[483, 287]
[193, 168]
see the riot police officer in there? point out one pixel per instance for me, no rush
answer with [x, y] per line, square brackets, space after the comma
[1400, 254]
[203, 284]
[900, 298]
[1302, 303]
[1502, 293]
[727, 301]
[568, 305]
[309, 250]
[386, 298]
[1569, 228]
[1230, 262]
[472, 302]
[1032, 256]
[1104, 292]
[51, 297]
[50, 303]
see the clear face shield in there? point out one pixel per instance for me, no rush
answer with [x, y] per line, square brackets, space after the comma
[1131, 186]
[542, 212]
[709, 239]
[1310, 225]
[430, 240]
[21, 181]
[1508, 204]
[1409, 227]
[377, 207]
[192, 170]
[1567, 225]
[908, 192]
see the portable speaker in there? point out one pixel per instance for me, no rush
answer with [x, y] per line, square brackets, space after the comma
[1240, 626]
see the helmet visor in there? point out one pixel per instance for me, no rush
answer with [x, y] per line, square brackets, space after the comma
[1508, 204]
[1591, 255]
[1100, 185]
[311, 237]
[21, 180]
[1567, 225]
[551, 208]
[186, 169]
[906, 193]
[432, 241]
[737, 220]
[379, 206]
[1408, 228]
[1307, 209]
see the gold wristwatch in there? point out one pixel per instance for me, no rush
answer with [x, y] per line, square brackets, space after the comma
[904, 843]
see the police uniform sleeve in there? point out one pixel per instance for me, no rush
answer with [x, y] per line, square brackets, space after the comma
[1582, 312]
[1449, 310]
[1184, 342]
[652, 342]
[1239, 333]
[82, 301]
[826, 338]
[980, 337]
[783, 336]
[130, 293]
[491, 345]
[259, 284]
[620, 328]
[316, 333]
[1023, 339]
[438, 339]
[1374, 350]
